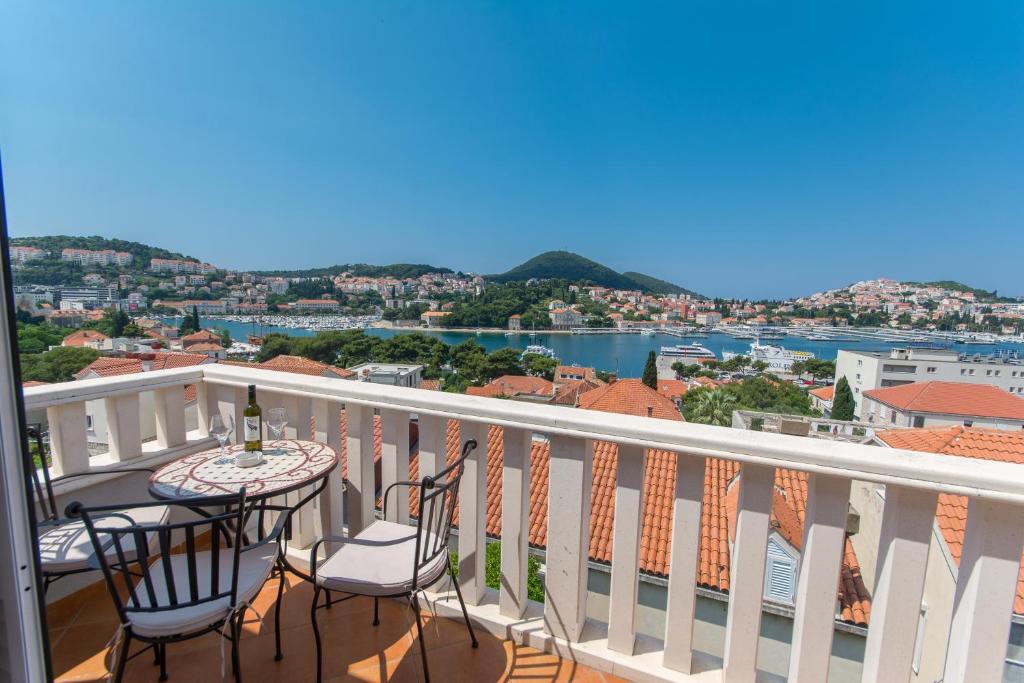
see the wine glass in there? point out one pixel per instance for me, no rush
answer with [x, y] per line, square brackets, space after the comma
[222, 429]
[277, 420]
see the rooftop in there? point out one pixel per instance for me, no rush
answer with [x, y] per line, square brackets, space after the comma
[951, 398]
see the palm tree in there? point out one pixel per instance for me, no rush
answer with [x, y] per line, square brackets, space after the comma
[714, 408]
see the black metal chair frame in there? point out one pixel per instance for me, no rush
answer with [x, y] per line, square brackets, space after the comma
[227, 524]
[443, 485]
[47, 500]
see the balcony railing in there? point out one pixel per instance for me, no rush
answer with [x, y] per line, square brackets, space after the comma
[986, 581]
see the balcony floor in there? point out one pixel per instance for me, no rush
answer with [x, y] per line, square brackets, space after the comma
[82, 624]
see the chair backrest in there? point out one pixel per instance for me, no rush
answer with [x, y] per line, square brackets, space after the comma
[177, 584]
[44, 487]
[438, 495]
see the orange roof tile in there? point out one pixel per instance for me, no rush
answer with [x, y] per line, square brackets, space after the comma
[568, 393]
[81, 337]
[201, 335]
[567, 371]
[951, 398]
[304, 366]
[672, 388]
[967, 442]
[431, 384]
[513, 385]
[106, 366]
[824, 393]
[630, 397]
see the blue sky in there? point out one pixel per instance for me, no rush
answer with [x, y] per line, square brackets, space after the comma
[742, 149]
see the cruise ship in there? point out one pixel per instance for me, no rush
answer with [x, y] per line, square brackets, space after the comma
[694, 351]
[777, 357]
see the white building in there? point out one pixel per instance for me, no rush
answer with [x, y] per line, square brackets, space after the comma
[321, 305]
[866, 370]
[102, 257]
[161, 265]
[935, 404]
[390, 373]
[708, 318]
[23, 254]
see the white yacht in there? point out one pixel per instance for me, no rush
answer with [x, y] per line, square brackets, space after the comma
[694, 351]
[777, 357]
[540, 350]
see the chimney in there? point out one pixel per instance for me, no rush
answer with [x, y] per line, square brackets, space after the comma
[650, 411]
[147, 361]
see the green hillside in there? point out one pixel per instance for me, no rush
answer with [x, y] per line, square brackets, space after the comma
[569, 266]
[981, 294]
[657, 286]
[396, 270]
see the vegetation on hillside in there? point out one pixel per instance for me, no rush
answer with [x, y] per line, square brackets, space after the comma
[981, 294]
[57, 365]
[53, 271]
[498, 302]
[567, 266]
[395, 270]
[656, 286]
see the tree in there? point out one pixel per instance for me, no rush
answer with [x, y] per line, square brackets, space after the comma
[225, 338]
[274, 344]
[133, 331]
[711, 407]
[57, 365]
[650, 376]
[503, 362]
[842, 403]
[191, 322]
[759, 366]
[540, 366]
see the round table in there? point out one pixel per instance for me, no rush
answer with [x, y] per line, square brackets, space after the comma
[213, 473]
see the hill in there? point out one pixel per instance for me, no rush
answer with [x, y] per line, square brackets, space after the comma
[981, 294]
[657, 286]
[568, 266]
[396, 270]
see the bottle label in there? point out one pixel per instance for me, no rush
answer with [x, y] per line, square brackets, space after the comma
[252, 428]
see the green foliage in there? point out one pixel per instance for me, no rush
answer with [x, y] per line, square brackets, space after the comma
[492, 573]
[112, 324]
[569, 266]
[650, 376]
[842, 402]
[503, 362]
[656, 286]
[537, 365]
[133, 331]
[191, 323]
[37, 338]
[52, 271]
[395, 270]
[753, 393]
[57, 365]
[705, 406]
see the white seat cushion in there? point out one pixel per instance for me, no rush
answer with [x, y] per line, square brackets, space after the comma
[254, 566]
[66, 547]
[379, 561]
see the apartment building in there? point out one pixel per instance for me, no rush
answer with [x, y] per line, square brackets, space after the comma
[316, 305]
[936, 404]
[867, 370]
[101, 257]
[392, 374]
[708, 318]
[86, 298]
[160, 265]
[565, 318]
[23, 254]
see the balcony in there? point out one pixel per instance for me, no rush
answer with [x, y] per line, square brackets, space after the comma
[582, 630]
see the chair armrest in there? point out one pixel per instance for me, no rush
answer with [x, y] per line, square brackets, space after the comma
[117, 470]
[384, 505]
[316, 546]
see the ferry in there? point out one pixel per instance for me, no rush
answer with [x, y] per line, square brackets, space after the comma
[540, 350]
[694, 351]
[777, 357]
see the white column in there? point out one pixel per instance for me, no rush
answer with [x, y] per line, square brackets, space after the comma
[69, 442]
[169, 404]
[682, 580]
[629, 506]
[231, 402]
[746, 587]
[394, 464]
[985, 588]
[906, 533]
[299, 410]
[433, 444]
[515, 521]
[206, 405]
[569, 482]
[123, 428]
[828, 501]
[328, 430]
[473, 514]
[361, 480]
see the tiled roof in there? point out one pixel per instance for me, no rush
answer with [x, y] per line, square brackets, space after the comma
[205, 346]
[513, 385]
[656, 533]
[951, 398]
[304, 366]
[968, 442]
[112, 367]
[33, 383]
[568, 392]
[430, 384]
[630, 397]
[80, 337]
[201, 335]
[824, 393]
[672, 388]
[574, 371]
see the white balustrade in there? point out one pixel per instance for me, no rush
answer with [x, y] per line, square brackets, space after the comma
[473, 514]
[628, 524]
[362, 487]
[683, 562]
[515, 521]
[394, 465]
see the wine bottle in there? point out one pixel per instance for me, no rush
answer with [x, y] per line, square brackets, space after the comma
[253, 417]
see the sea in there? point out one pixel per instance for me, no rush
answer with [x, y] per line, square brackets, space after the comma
[624, 354]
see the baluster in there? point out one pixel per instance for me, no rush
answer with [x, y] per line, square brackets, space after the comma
[206, 406]
[169, 406]
[568, 542]
[69, 441]
[985, 588]
[327, 415]
[828, 501]
[433, 444]
[629, 505]
[123, 429]
[473, 515]
[907, 523]
[683, 563]
[231, 401]
[743, 622]
[361, 480]
[394, 464]
[515, 521]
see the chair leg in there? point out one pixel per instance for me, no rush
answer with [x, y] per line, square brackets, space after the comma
[316, 633]
[236, 637]
[277, 616]
[163, 661]
[327, 598]
[376, 613]
[462, 604]
[122, 658]
[419, 633]
[156, 654]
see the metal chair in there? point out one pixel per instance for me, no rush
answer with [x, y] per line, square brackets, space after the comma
[388, 560]
[186, 594]
[64, 545]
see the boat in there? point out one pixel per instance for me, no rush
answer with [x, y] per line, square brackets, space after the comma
[540, 350]
[777, 357]
[693, 351]
[818, 337]
[646, 333]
